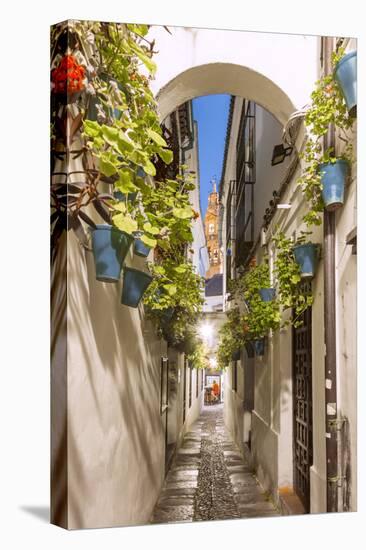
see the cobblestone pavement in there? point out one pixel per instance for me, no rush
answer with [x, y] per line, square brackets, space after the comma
[209, 479]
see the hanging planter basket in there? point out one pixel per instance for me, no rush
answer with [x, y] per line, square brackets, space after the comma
[267, 294]
[135, 283]
[333, 178]
[235, 356]
[249, 348]
[259, 346]
[345, 74]
[110, 247]
[306, 256]
[140, 248]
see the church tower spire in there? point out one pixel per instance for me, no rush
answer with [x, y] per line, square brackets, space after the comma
[212, 232]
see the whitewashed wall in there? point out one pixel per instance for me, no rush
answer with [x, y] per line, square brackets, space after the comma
[275, 70]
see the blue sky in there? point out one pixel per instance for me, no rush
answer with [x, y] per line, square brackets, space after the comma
[211, 113]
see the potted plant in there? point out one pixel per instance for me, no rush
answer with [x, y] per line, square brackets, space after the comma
[135, 283]
[320, 166]
[306, 256]
[345, 73]
[291, 295]
[267, 294]
[118, 195]
[333, 174]
[174, 299]
[253, 289]
[139, 247]
[110, 247]
[259, 346]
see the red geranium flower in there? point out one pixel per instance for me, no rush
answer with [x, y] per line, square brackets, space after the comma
[68, 76]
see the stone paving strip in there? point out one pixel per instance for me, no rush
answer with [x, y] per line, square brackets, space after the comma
[208, 479]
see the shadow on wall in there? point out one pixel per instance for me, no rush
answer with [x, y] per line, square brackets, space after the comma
[112, 448]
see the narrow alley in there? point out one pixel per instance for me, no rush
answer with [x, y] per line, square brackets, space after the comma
[204, 274]
[208, 479]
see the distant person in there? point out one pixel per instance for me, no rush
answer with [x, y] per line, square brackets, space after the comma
[216, 389]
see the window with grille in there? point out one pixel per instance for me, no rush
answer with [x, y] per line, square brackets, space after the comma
[245, 180]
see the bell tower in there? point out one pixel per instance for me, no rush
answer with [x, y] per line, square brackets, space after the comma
[212, 232]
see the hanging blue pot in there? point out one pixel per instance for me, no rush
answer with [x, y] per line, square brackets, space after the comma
[306, 256]
[333, 178]
[135, 283]
[267, 294]
[249, 349]
[140, 248]
[122, 196]
[168, 313]
[345, 74]
[141, 172]
[259, 346]
[235, 356]
[110, 247]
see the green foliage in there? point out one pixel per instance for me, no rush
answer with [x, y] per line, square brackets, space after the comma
[197, 357]
[261, 316]
[176, 286]
[327, 107]
[166, 213]
[122, 142]
[231, 337]
[287, 273]
[126, 137]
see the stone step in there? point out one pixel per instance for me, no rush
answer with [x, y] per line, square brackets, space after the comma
[250, 497]
[182, 500]
[178, 491]
[173, 514]
[180, 475]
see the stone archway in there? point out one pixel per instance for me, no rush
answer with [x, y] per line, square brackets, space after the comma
[274, 70]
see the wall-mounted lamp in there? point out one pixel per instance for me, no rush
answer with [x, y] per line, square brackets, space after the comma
[279, 154]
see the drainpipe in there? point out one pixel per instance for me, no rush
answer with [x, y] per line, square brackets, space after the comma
[330, 328]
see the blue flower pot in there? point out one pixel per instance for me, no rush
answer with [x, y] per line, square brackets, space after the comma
[267, 294]
[259, 346]
[236, 355]
[141, 173]
[249, 349]
[333, 178]
[135, 283]
[168, 313]
[140, 248]
[110, 247]
[345, 74]
[122, 196]
[306, 256]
